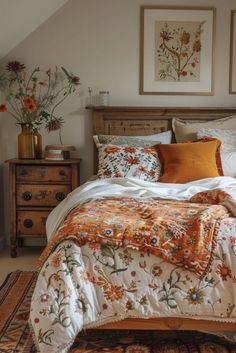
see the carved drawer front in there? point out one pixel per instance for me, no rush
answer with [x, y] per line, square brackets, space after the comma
[43, 173]
[31, 222]
[41, 195]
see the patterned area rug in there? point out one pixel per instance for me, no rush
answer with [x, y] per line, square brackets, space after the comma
[15, 295]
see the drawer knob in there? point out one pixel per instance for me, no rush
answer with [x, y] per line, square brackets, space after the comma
[62, 172]
[60, 196]
[27, 195]
[28, 223]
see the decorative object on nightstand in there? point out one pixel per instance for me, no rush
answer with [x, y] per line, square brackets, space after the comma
[58, 152]
[36, 187]
[33, 101]
[29, 142]
[104, 98]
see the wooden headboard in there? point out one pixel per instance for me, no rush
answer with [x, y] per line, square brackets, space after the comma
[136, 121]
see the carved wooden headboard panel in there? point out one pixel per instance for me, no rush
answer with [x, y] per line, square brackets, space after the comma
[147, 120]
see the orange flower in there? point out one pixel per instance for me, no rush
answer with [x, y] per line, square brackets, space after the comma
[114, 293]
[129, 149]
[111, 149]
[132, 160]
[28, 101]
[31, 107]
[152, 173]
[3, 108]
[142, 169]
[223, 271]
[56, 259]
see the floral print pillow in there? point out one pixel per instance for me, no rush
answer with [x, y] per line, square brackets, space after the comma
[128, 161]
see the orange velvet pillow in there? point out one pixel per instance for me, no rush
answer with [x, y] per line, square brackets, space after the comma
[184, 162]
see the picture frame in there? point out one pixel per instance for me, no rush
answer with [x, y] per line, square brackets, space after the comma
[232, 64]
[177, 50]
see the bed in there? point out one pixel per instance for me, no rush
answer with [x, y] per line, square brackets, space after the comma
[163, 279]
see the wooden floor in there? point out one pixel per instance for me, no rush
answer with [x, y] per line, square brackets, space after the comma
[26, 260]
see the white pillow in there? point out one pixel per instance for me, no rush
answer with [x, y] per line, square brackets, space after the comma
[186, 130]
[147, 140]
[163, 137]
[227, 137]
[228, 148]
[228, 161]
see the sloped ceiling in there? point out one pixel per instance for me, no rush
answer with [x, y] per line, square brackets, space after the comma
[18, 18]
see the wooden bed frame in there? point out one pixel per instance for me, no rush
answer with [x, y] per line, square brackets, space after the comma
[138, 121]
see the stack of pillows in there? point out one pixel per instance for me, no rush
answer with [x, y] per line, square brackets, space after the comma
[204, 149]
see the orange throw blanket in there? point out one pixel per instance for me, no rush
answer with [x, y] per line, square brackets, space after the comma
[181, 233]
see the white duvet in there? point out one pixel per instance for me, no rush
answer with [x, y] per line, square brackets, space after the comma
[69, 293]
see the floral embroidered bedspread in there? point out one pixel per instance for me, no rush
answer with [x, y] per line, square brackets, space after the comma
[181, 233]
[81, 286]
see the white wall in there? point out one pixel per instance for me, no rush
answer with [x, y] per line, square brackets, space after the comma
[19, 18]
[99, 41]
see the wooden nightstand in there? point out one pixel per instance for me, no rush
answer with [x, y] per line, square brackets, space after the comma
[36, 187]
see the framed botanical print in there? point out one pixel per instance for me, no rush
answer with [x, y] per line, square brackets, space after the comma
[232, 65]
[176, 50]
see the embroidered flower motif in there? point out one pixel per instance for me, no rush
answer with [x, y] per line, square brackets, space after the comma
[155, 240]
[224, 272]
[195, 296]
[56, 259]
[44, 297]
[143, 264]
[156, 270]
[166, 35]
[111, 149]
[132, 160]
[130, 149]
[233, 240]
[43, 312]
[114, 293]
[108, 232]
[142, 169]
[126, 257]
[143, 300]
[129, 305]
[138, 236]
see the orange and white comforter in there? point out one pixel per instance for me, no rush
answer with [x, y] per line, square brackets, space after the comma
[117, 249]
